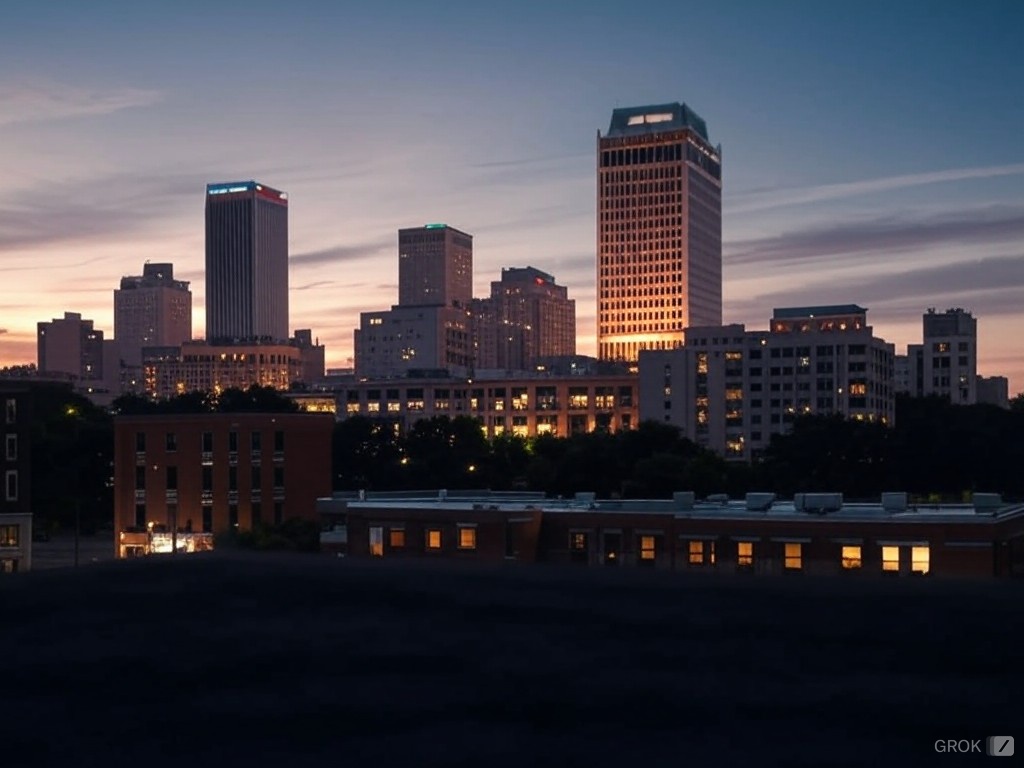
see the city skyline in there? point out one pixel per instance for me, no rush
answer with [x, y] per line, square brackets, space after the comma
[871, 156]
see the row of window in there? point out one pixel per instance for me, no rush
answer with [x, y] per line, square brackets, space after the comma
[171, 478]
[433, 538]
[171, 442]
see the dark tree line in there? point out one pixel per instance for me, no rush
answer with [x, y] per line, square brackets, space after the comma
[935, 450]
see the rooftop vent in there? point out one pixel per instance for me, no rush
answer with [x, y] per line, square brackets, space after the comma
[586, 496]
[987, 502]
[760, 502]
[718, 498]
[894, 502]
[442, 494]
[683, 499]
[818, 503]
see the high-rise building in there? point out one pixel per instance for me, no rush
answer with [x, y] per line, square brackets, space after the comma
[435, 267]
[731, 389]
[151, 310]
[527, 317]
[659, 231]
[246, 262]
[70, 346]
[429, 329]
[946, 363]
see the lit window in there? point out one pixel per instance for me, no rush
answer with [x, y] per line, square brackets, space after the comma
[9, 535]
[467, 537]
[745, 554]
[919, 557]
[396, 538]
[376, 541]
[702, 553]
[891, 559]
[578, 541]
[793, 560]
[647, 548]
[851, 558]
[434, 539]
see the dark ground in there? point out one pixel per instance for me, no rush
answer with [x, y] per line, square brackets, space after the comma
[285, 660]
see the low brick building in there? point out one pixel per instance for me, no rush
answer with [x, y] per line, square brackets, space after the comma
[815, 534]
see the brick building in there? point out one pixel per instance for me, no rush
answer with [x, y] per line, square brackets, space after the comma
[207, 473]
[15, 501]
[814, 534]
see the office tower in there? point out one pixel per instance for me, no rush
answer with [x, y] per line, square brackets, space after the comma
[246, 262]
[70, 346]
[151, 310]
[949, 356]
[527, 317]
[659, 261]
[429, 329]
[435, 267]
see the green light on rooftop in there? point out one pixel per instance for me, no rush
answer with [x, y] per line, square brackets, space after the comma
[435, 226]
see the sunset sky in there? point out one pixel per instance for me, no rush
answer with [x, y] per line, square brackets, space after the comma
[873, 153]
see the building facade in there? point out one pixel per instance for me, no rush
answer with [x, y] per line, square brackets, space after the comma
[945, 364]
[207, 473]
[730, 389]
[435, 267]
[71, 346]
[246, 263]
[994, 390]
[203, 367]
[659, 230]
[394, 343]
[528, 316]
[524, 406]
[151, 310]
[814, 534]
[16, 501]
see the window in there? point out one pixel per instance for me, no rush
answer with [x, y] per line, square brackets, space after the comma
[172, 478]
[396, 538]
[232, 442]
[701, 552]
[140, 478]
[851, 558]
[233, 515]
[140, 442]
[376, 541]
[12, 410]
[257, 479]
[278, 512]
[467, 537]
[647, 551]
[232, 478]
[9, 535]
[207, 518]
[745, 554]
[257, 513]
[278, 441]
[278, 477]
[11, 447]
[207, 442]
[793, 556]
[208, 479]
[919, 557]
[434, 538]
[140, 515]
[256, 442]
[890, 559]
[172, 442]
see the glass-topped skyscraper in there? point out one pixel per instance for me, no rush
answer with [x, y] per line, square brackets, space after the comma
[246, 262]
[659, 230]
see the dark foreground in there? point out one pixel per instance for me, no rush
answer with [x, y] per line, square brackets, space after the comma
[233, 660]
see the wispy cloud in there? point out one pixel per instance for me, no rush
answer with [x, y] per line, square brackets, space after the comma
[899, 232]
[311, 286]
[38, 100]
[762, 200]
[343, 253]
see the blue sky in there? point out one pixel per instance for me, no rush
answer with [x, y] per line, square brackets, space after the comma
[871, 154]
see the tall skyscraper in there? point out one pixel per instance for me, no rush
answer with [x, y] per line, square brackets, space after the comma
[246, 262]
[429, 328]
[527, 316]
[151, 310]
[659, 231]
[435, 267]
